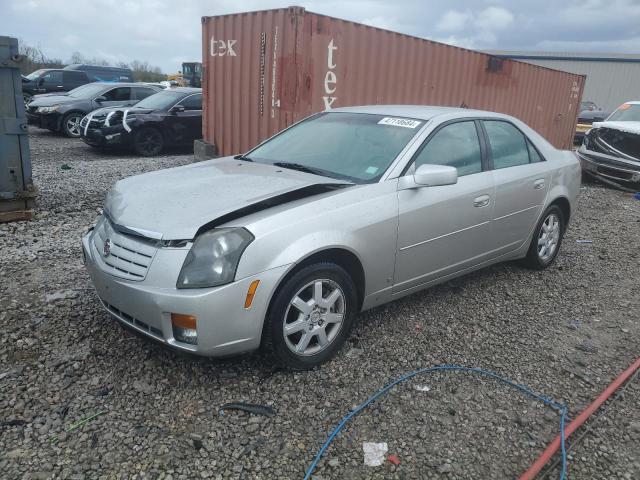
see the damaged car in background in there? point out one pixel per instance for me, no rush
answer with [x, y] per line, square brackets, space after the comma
[348, 209]
[610, 150]
[589, 113]
[172, 117]
[63, 112]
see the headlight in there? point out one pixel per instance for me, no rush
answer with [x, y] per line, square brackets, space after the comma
[213, 258]
[48, 109]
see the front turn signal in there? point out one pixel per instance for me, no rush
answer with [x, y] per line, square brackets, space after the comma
[251, 293]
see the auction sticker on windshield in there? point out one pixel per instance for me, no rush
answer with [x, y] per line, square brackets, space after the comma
[399, 122]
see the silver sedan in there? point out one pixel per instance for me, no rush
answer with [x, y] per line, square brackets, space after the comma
[348, 209]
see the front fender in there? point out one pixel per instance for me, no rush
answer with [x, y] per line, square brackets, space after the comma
[362, 221]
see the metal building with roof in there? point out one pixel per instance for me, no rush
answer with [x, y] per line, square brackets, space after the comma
[612, 78]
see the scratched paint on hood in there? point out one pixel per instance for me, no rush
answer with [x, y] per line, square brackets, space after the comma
[176, 202]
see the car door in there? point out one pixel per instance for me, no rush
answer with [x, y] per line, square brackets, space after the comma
[445, 229]
[186, 125]
[52, 81]
[73, 79]
[521, 179]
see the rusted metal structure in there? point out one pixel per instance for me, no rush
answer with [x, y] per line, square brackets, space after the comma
[265, 70]
[17, 192]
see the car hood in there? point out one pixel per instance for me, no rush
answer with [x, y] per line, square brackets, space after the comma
[116, 114]
[131, 110]
[49, 100]
[174, 204]
[629, 127]
[615, 139]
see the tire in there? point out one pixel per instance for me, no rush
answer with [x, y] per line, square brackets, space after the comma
[148, 142]
[304, 346]
[71, 124]
[545, 244]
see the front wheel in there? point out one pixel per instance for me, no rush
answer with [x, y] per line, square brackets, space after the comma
[311, 316]
[546, 240]
[148, 142]
[71, 124]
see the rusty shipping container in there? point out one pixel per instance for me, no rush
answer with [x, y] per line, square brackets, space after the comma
[265, 70]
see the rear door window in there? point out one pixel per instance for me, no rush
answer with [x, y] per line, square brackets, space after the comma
[142, 92]
[73, 77]
[534, 156]
[52, 78]
[508, 144]
[194, 102]
[456, 145]
[118, 94]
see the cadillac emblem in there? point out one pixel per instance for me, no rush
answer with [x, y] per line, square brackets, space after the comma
[106, 249]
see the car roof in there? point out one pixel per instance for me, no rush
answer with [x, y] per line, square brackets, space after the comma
[120, 84]
[184, 89]
[633, 102]
[422, 112]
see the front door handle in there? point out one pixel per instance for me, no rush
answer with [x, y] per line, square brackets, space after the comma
[481, 201]
[538, 184]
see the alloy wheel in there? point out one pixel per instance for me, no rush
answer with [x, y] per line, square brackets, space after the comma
[314, 317]
[548, 237]
[72, 125]
[148, 142]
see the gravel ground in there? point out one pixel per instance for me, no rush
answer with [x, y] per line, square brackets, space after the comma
[565, 333]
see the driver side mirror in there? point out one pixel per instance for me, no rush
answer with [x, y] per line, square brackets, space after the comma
[434, 176]
[177, 109]
[101, 99]
[40, 81]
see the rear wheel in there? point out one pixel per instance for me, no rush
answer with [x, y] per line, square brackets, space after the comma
[71, 124]
[148, 142]
[311, 316]
[546, 240]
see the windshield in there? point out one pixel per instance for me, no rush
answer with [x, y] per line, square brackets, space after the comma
[89, 90]
[164, 99]
[352, 146]
[627, 112]
[36, 74]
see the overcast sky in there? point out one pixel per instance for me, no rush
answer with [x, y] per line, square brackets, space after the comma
[166, 33]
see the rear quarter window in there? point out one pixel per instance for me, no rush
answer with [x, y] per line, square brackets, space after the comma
[508, 144]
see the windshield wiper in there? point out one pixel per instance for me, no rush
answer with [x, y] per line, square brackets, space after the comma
[242, 157]
[301, 168]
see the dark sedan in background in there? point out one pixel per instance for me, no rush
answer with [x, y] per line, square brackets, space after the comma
[589, 113]
[63, 112]
[171, 117]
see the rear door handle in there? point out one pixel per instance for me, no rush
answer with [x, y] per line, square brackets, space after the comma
[481, 201]
[538, 184]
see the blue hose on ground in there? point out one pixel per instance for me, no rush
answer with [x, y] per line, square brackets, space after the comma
[547, 401]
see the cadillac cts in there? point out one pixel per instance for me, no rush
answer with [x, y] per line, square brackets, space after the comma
[343, 211]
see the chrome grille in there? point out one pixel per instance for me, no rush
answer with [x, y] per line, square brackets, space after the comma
[128, 257]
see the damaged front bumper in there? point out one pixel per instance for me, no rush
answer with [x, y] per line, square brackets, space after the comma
[50, 121]
[143, 296]
[615, 171]
[106, 136]
[612, 154]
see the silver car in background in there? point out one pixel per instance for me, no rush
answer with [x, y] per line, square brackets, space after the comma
[343, 211]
